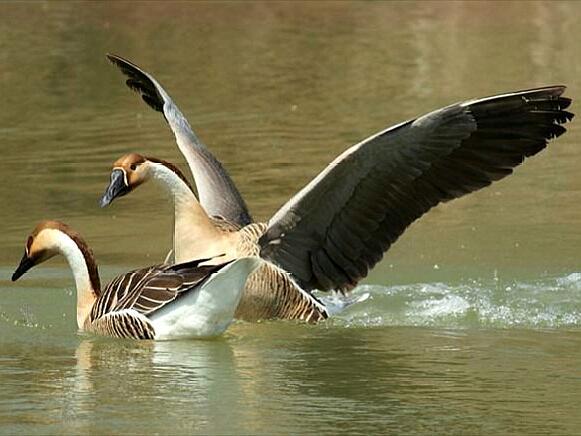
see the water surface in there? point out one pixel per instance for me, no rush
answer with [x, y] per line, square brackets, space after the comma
[472, 325]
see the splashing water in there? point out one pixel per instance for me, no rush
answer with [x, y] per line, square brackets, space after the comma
[544, 303]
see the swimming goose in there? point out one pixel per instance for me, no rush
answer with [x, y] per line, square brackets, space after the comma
[159, 302]
[269, 292]
[333, 231]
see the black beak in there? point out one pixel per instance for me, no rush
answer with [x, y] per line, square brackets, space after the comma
[25, 264]
[117, 187]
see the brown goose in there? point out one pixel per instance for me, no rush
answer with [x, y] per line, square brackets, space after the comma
[159, 302]
[269, 292]
[336, 228]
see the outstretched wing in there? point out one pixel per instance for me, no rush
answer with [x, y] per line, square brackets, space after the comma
[336, 228]
[218, 193]
[149, 289]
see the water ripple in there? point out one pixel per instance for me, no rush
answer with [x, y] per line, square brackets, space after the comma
[545, 303]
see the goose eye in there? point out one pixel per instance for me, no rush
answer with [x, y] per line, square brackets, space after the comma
[133, 167]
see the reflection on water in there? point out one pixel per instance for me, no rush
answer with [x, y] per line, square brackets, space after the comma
[451, 338]
[133, 379]
[282, 377]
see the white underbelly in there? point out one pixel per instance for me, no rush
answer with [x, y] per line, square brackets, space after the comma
[209, 310]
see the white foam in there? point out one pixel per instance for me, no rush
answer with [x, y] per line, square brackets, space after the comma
[545, 303]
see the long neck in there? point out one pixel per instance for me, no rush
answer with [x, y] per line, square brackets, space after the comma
[173, 183]
[84, 268]
[195, 235]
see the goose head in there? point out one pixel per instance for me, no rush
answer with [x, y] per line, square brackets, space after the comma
[128, 173]
[41, 245]
[133, 169]
[50, 238]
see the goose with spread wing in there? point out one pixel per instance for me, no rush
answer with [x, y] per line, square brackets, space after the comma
[333, 231]
[187, 300]
[269, 292]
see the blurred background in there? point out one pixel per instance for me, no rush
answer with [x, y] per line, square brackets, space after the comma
[276, 91]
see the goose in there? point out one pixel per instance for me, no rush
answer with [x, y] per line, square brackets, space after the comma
[269, 292]
[160, 302]
[334, 230]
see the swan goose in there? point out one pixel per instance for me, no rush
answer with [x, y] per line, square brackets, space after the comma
[333, 231]
[269, 292]
[185, 300]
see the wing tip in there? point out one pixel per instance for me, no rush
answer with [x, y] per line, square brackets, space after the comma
[115, 59]
[120, 61]
[553, 90]
[545, 92]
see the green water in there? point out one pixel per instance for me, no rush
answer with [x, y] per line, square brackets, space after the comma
[473, 321]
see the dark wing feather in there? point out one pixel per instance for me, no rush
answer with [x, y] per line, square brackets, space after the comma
[218, 193]
[170, 284]
[334, 230]
[148, 290]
